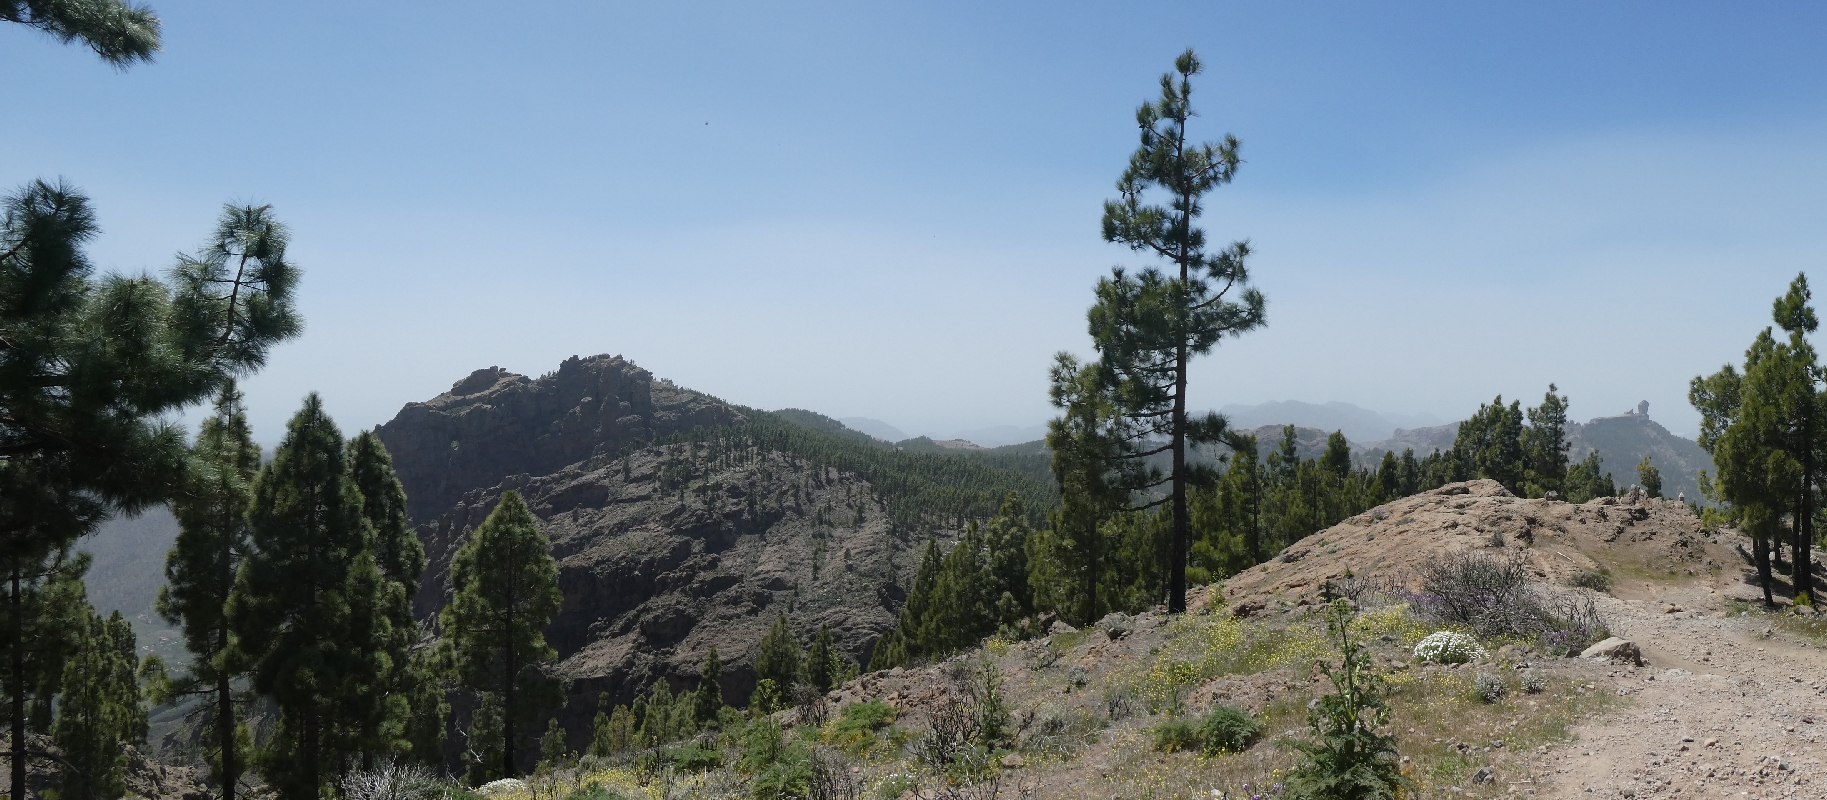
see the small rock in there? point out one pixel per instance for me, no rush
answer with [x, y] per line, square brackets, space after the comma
[1013, 761]
[1615, 649]
[1483, 776]
[1710, 742]
[1059, 626]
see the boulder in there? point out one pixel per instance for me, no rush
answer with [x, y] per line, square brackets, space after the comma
[1615, 649]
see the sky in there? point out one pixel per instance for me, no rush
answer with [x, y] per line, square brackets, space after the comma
[892, 210]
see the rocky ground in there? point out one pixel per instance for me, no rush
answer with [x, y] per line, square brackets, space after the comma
[1728, 700]
[1729, 703]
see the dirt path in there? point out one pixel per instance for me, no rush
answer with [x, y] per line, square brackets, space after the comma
[1722, 709]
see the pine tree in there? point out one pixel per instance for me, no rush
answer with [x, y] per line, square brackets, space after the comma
[369, 713]
[291, 607]
[45, 611]
[1802, 402]
[552, 750]
[119, 32]
[380, 703]
[1094, 481]
[1147, 327]
[1411, 472]
[1491, 443]
[708, 700]
[1389, 475]
[613, 731]
[1649, 478]
[1586, 480]
[778, 659]
[93, 366]
[211, 510]
[1545, 446]
[505, 588]
[818, 660]
[99, 709]
[483, 753]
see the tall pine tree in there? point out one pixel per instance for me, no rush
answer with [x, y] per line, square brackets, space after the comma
[506, 593]
[211, 510]
[291, 606]
[407, 714]
[1147, 327]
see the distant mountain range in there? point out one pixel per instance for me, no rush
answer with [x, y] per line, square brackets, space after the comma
[1358, 424]
[993, 436]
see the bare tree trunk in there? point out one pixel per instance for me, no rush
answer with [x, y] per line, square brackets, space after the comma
[1761, 547]
[18, 687]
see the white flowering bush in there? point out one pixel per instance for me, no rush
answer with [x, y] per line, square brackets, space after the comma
[501, 786]
[1448, 647]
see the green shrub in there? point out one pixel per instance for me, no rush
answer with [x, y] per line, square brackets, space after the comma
[787, 778]
[762, 745]
[691, 757]
[1228, 730]
[856, 727]
[1222, 730]
[1590, 579]
[1175, 734]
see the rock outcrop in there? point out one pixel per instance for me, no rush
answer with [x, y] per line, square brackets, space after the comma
[495, 423]
[1392, 541]
[666, 546]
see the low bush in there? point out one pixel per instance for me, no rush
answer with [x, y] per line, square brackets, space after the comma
[1059, 732]
[1176, 734]
[1534, 683]
[393, 783]
[855, 729]
[689, 757]
[1493, 597]
[1228, 730]
[1448, 647]
[1590, 579]
[1222, 730]
[1490, 687]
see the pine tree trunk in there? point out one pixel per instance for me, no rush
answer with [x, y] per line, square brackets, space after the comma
[507, 688]
[18, 687]
[1803, 531]
[225, 700]
[507, 717]
[1176, 563]
[1091, 574]
[225, 730]
[1761, 546]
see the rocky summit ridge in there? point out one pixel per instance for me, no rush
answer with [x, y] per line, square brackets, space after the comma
[675, 527]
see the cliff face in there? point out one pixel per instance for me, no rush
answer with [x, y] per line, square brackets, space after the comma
[664, 550]
[495, 423]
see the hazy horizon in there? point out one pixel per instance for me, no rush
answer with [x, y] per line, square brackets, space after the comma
[892, 212]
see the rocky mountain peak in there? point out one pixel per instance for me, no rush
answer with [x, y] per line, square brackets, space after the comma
[495, 423]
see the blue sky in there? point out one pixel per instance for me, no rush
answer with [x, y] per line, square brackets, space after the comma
[891, 211]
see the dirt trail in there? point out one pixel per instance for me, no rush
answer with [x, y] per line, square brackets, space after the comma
[1724, 707]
